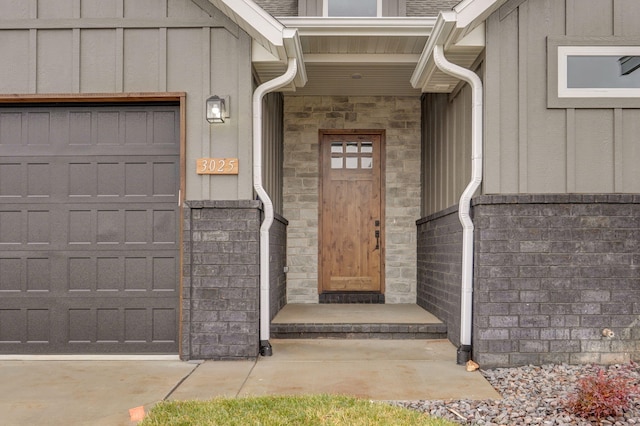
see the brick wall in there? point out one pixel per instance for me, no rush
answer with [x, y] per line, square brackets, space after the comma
[551, 273]
[304, 116]
[221, 280]
[439, 268]
[278, 259]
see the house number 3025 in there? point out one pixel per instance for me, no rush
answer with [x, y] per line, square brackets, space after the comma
[217, 166]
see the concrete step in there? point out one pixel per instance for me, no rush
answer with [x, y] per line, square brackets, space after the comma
[359, 331]
[349, 321]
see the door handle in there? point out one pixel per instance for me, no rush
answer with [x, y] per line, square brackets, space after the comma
[377, 234]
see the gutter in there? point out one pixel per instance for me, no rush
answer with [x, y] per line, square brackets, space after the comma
[445, 25]
[449, 29]
[258, 95]
[356, 26]
[464, 350]
[284, 44]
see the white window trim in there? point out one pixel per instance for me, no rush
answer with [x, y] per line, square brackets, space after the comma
[565, 51]
[325, 9]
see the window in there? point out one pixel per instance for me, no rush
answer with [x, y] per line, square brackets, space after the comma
[593, 73]
[598, 71]
[352, 8]
[352, 155]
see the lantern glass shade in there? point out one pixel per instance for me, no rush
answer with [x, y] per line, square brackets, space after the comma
[216, 110]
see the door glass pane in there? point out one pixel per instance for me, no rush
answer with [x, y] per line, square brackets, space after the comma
[367, 162]
[336, 146]
[352, 162]
[352, 147]
[336, 163]
[366, 147]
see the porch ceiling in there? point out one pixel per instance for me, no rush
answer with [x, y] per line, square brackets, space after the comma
[379, 56]
[356, 56]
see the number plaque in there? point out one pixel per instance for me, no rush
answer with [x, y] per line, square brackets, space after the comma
[217, 166]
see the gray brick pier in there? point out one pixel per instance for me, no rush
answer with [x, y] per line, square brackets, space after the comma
[552, 273]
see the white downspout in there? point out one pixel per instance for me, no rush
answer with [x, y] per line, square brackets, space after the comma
[464, 351]
[263, 89]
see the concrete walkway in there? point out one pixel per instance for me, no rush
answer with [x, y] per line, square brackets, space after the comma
[102, 392]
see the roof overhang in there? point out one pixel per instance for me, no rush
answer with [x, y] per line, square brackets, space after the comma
[360, 56]
[461, 33]
[471, 13]
[350, 27]
[279, 42]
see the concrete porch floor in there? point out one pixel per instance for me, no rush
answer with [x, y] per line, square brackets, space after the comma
[95, 392]
[307, 313]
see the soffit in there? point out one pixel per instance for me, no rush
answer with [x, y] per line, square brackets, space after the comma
[372, 56]
[252, 19]
[461, 33]
[356, 56]
[460, 49]
[440, 82]
[276, 43]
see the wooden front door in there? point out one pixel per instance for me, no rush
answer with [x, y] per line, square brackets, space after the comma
[351, 233]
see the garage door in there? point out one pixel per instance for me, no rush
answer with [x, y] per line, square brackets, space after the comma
[89, 229]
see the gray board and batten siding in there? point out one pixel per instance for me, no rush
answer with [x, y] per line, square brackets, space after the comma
[530, 148]
[106, 54]
[557, 218]
[89, 225]
[557, 262]
[139, 46]
[445, 151]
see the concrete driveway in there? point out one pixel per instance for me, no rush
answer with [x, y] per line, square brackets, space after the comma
[102, 392]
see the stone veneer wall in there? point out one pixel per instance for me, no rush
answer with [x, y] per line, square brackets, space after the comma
[220, 280]
[277, 263]
[440, 268]
[551, 273]
[304, 116]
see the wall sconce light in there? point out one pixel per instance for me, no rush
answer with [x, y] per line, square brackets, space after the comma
[217, 109]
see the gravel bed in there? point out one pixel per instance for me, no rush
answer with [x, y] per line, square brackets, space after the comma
[532, 395]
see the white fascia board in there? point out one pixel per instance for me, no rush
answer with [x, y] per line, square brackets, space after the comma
[475, 38]
[472, 12]
[320, 26]
[361, 58]
[281, 42]
[260, 54]
[463, 26]
[261, 26]
[293, 47]
[444, 27]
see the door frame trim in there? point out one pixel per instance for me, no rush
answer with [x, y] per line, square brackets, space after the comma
[124, 98]
[382, 134]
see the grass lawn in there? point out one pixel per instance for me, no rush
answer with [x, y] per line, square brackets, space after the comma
[286, 410]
